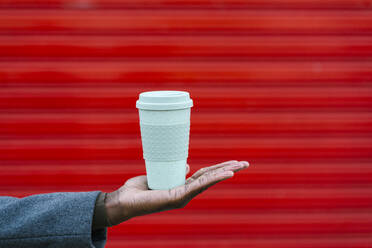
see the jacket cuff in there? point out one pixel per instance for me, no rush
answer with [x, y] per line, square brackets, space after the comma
[100, 219]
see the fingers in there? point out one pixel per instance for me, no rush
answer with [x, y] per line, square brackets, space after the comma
[233, 165]
[187, 169]
[181, 195]
[207, 180]
[206, 169]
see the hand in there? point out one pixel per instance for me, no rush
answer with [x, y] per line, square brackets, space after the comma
[135, 199]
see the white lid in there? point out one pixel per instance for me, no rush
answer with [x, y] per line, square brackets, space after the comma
[164, 100]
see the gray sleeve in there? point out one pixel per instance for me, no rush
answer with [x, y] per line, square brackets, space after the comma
[50, 220]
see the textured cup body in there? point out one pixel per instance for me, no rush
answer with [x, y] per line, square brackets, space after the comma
[165, 143]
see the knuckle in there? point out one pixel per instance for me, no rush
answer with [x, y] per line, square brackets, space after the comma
[203, 179]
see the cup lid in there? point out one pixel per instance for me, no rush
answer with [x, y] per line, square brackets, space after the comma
[164, 100]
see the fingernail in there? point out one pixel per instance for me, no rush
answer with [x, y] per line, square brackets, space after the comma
[244, 163]
[236, 166]
[239, 165]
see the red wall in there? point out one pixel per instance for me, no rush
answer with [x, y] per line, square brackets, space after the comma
[284, 84]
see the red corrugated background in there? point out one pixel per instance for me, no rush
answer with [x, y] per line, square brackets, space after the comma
[284, 84]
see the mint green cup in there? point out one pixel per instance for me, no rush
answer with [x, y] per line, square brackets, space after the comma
[165, 128]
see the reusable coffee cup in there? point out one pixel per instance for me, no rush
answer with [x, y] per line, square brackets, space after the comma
[165, 128]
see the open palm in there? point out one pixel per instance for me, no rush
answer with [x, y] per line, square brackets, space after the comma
[134, 198]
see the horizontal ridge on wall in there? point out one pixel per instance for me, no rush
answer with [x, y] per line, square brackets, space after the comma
[319, 241]
[185, 21]
[213, 4]
[191, 72]
[81, 47]
[122, 97]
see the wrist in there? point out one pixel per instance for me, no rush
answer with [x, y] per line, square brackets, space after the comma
[115, 210]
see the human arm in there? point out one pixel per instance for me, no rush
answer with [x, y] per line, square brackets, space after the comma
[70, 219]
[135, 199]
